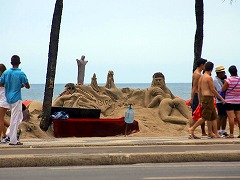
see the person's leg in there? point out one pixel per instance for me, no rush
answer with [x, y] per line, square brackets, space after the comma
[224, 125]
[238, 118]
[2, 114]
[215, 131]
[210, 127]
[16, 118]
[6, 125]
[192, 129]
[231, 117]
[203, 129]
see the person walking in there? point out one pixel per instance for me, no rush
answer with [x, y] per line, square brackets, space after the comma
[206, 93]
[232, 87]
[221, 109]
[13, 80]
[194, 101]
[4, 106]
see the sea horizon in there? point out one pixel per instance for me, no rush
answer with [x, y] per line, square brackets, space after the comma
[36, 92]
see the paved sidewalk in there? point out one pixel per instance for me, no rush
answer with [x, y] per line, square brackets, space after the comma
[117, 150]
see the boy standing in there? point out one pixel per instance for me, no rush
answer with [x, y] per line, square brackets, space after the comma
[194, 92]
[13, 80]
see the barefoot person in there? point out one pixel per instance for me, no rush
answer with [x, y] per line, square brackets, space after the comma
[206, 93]
[194, 92]
[13, 80]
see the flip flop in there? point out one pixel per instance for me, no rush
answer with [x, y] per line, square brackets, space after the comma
[229, 136]
[190, 136]
[18, 143]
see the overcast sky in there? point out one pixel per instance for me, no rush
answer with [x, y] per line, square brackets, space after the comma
[134, 38]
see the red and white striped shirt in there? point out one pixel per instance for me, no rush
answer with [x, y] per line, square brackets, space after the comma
[233, 90]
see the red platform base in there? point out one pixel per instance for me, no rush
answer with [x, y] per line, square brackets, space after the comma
[93, 127]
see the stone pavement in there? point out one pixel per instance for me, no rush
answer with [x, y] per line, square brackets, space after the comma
[117, 150]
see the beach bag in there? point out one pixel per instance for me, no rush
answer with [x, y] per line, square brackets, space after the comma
[221, 93]
[197, 113]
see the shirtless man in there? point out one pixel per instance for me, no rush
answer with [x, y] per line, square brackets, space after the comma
[206, 93]
[194, 93]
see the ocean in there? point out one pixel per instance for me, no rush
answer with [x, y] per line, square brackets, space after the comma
[36, 92]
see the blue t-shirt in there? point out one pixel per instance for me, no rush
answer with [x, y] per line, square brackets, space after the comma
[13, 79]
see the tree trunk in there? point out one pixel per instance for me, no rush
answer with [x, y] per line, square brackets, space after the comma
[51, 69]
[198, 43]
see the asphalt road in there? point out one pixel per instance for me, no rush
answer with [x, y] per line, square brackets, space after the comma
[167, 171]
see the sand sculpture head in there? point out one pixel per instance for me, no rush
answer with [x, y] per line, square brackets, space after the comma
[158, 80]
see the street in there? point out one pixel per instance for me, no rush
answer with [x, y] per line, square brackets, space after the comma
[169, 171]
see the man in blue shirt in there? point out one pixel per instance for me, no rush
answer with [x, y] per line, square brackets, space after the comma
[13, 80]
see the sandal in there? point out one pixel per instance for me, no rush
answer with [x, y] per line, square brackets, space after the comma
[18, 143]
[231, 136]
[190, 136]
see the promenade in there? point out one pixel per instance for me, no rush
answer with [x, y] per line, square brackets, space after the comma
[117, 150]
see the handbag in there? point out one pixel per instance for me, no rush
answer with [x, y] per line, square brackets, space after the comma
[223, 93]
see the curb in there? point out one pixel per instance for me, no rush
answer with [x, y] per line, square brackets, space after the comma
[116, 158]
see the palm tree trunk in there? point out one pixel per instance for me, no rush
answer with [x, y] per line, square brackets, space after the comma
[52, 61]
[198, 43]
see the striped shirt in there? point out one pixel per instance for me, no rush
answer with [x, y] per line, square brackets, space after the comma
[233, 93]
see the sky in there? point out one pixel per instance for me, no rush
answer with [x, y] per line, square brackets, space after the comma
[134, 38]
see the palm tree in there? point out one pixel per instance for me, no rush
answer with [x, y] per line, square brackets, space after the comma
[52, 61]
[199, 13]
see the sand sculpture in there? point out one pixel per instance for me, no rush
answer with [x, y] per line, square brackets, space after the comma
[81, 69]
[109, 98]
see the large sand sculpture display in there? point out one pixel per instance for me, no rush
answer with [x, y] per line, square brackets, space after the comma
[109, 98]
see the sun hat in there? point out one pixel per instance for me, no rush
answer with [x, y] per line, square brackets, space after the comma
[220, 69]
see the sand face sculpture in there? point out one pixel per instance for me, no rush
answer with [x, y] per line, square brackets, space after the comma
[109, 98]
[171, 109]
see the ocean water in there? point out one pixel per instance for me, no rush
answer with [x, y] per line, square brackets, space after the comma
[36, 92]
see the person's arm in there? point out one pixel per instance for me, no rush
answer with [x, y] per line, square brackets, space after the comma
[27, 85]
[194, 86]
[199, 90]
[225, 86]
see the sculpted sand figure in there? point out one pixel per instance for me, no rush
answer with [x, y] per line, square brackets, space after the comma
[110, 89]
[81, 69]
[171, 109]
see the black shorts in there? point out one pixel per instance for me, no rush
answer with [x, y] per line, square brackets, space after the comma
[195, 102]
[221, 109]
[232, 107]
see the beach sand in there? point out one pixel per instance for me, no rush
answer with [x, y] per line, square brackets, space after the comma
[149, 123]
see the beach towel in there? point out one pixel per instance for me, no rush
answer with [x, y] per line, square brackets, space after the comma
[197, 113]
